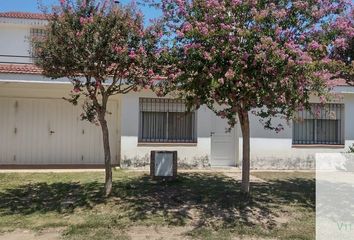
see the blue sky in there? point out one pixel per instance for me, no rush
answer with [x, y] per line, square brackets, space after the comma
[23, 5]
[32, 6]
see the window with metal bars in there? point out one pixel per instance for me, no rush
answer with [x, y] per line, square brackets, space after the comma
[166, 121]
[36, 33]
[323, 124]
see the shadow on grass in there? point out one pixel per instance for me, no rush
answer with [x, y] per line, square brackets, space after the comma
[198, 197]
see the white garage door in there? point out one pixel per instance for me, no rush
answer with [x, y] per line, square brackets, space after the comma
[49, 131]
[223, 147]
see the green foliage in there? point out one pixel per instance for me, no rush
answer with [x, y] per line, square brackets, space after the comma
[351, 149]
[102, 47]
[268, 57]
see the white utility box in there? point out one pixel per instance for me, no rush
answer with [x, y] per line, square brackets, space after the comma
[163, 164]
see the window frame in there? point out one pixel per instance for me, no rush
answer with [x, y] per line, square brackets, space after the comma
[167, 110]
[340, 128]
[36, 32]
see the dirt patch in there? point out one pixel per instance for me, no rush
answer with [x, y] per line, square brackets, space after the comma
[238, 176]
[48, 234]
[134, 233]
[157, 233]
[171, 233]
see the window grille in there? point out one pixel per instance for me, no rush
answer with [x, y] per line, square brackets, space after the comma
[36, 33]
[166, 120]
[324, 124]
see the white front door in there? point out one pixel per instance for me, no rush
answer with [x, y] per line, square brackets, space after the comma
[223, 144]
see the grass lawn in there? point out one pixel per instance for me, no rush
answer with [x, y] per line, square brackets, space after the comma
[196, 205]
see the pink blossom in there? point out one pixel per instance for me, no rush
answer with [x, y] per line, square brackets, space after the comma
[280, 13]
[222, 114]
[340, 43]
[314, 45]
[82, 20]
[118, 49]
[236, 2]
[151, 72]
[191, 46]
[344, 25]
[181, 5]
[326, 60]
[282, 98]
[207, 56]
[212, 3]
[172, 76]
[303, 5]
[77, 89]
[282, 55]
[322, 99]
[141, 33]
[132, 54]
[245, 56]
[180, 34]
[305, 59]
[230, 74]
[83, 3]
[142, 50]
[225, 26]
[318, 13]
[278, 31]
[221, 81]
[262, 14]
[187, 27]
[279, 128]
[232, 38]
[79, 34]
[204, 30]
[158, 34]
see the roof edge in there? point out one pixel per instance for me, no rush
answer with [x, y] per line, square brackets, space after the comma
[24, 15]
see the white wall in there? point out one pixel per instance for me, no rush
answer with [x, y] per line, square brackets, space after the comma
[139, 154]
[275, 150]
[268, 148]
[41, 104]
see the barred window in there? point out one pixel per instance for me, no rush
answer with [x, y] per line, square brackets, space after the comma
[166, 120]
[36, 33]
[324, 124]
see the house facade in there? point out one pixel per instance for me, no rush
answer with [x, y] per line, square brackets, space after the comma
[38, 129]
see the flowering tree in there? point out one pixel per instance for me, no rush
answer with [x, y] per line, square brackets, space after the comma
[264, 57]
[343, 49]
[104, 49]
[346, 55]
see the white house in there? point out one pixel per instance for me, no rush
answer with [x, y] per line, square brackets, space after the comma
[40, 129]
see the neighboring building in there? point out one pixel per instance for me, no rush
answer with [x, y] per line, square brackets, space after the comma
[40, 129]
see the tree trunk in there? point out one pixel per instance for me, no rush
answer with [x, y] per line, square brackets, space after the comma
[107, 154]
[245, 127]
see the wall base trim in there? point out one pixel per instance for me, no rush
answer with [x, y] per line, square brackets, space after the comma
[54, 166]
